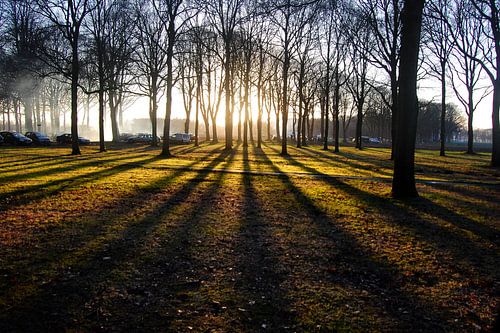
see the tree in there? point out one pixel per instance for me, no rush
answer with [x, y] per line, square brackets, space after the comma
[465, 71]
[327, 54]
[170, 11]
[22, 35]
[97, 27]
[303, 77]
[224, 16]
[440, 45]
[403, 184]
[187, 68]
[359, 85]
[67, 17]
[384, 19]
[118, 59]
[488, 12]
[289, 17]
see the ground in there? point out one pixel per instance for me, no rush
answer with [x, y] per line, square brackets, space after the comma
[245, 241]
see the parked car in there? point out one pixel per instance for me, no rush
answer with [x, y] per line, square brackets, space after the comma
[15, 138]
[1, 139]
[142, 138]
[181, 138]
[375, 140]
[38, 138]
[66, 139]
[125, 136]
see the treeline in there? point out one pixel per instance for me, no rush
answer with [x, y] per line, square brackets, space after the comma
[292, 60]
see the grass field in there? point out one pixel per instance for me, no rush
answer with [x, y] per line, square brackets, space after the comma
[245, 241]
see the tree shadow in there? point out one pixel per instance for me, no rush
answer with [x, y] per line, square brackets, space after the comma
[334, 158]
[60, 168]
[423, 229]
[259, 285]
[70, 299]
[362, 270]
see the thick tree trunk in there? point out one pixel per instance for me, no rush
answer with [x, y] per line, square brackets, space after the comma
[403, 185]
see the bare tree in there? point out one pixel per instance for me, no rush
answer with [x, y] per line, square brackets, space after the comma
[225, 17]
[118, 60]
[439, 44]
[67, 17]
[150, 57]
[384, 19]
[187, 70]
[289, 17]
[488, 12]
[359, 85]
[465, 71]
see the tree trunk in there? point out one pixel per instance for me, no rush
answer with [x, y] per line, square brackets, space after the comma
[336, 112]
[165, 151]
[284, 106]
[75, 71]
[442, 135]
[153, 112]
[394, 110]
[403, 185]
[495, 153]
[227, 89]
[113, 112]
[470, 134]
[359, 126]
[215, 138]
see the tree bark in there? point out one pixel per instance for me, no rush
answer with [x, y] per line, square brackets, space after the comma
[75, 71]
[403, 185]
[442, 135]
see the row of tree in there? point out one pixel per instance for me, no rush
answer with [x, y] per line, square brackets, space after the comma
[225, 55]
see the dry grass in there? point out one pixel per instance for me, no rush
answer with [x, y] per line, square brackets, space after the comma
[128, 241]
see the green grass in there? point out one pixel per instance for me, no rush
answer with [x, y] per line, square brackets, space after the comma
[124, 240]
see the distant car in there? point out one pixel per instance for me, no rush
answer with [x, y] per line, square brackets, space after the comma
[38, 138]
[181, 138]
[15, 138]
[1, 139]
[375, 140]
[125, 136]
[66, 139]
[142, 138]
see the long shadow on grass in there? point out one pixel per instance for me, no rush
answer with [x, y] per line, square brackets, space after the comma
[77, 245]
[32, 193]
[374, 166]
[76, 164]
[365, 272]
[176, 270]
[67, 300]
[257, 261]
[473, 192]
[35, 161]
[422, 228]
